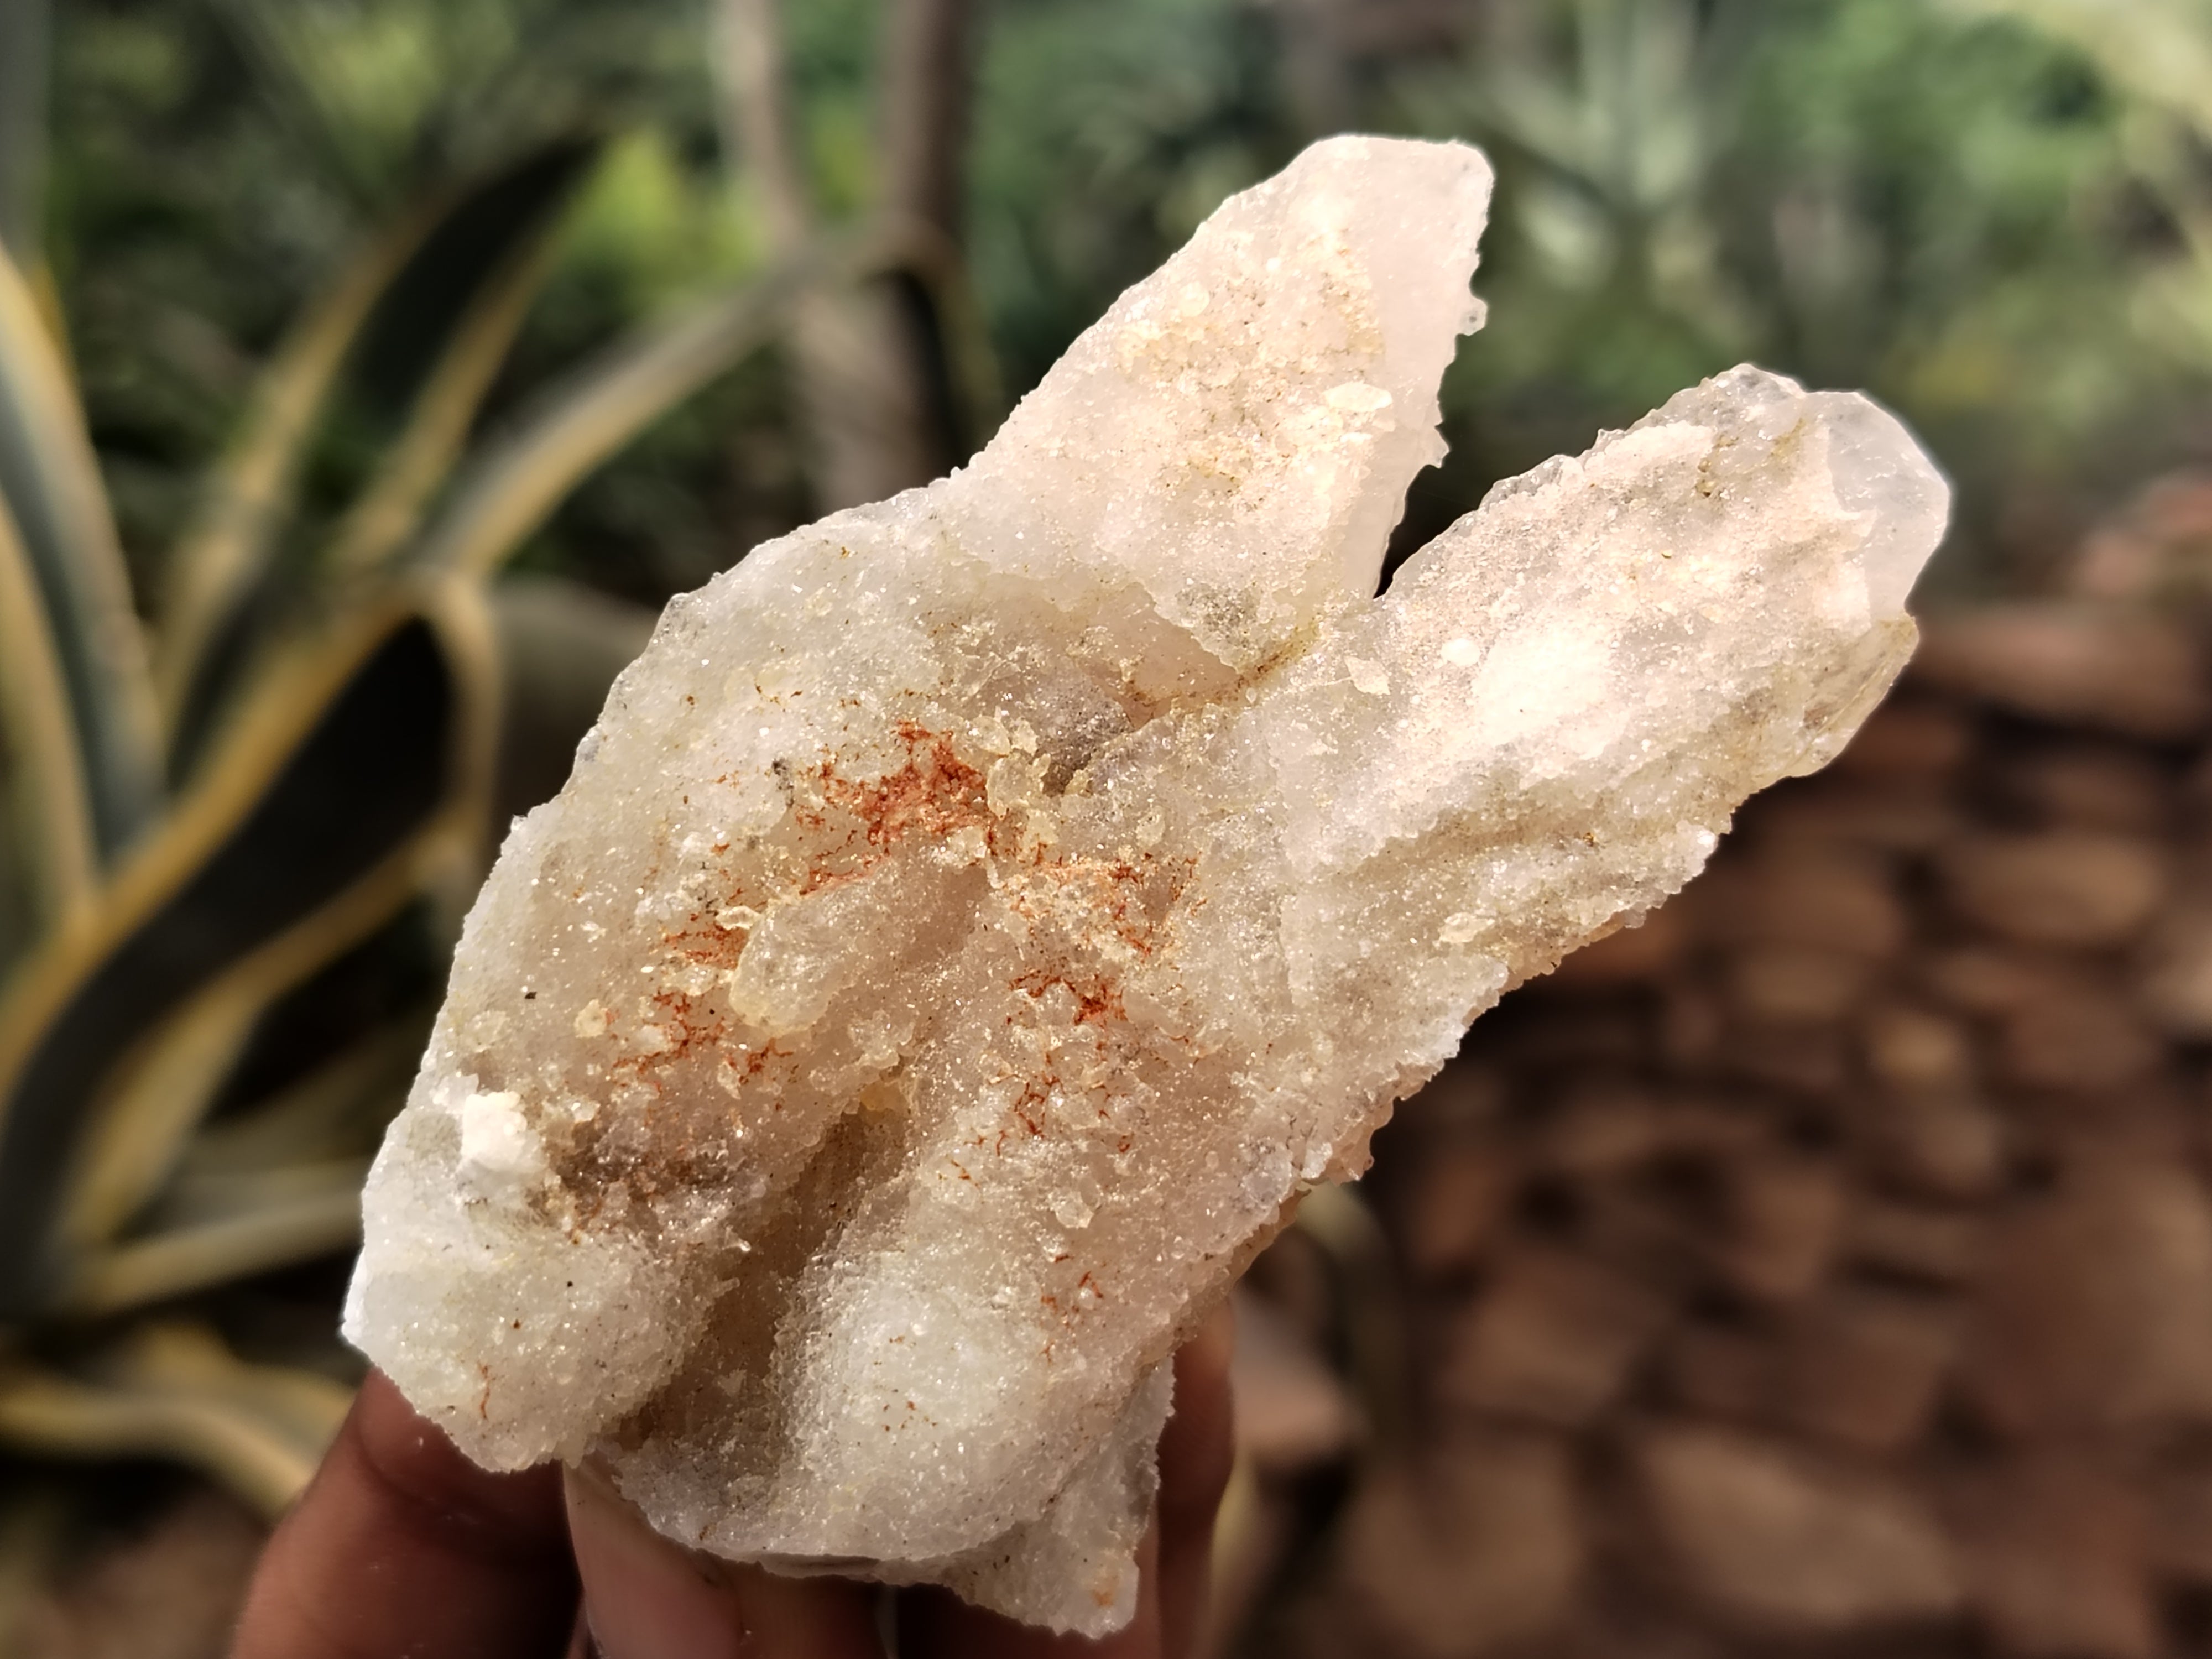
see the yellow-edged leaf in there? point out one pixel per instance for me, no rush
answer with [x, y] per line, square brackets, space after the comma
[377, 527]
[459, 310]
[222, 556]
[201, 1198]
[165, 1085]
[176, 1391]
[48, 770]
[275, 1220]
[338, 1109]
[520, 477]
[409, 343]
[50, 482]
[356, 772]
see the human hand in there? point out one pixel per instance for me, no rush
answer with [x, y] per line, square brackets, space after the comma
[401, 1547]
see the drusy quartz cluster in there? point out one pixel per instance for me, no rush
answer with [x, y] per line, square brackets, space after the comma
[978, 917]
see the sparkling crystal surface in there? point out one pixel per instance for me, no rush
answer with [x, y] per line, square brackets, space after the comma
[978, 916]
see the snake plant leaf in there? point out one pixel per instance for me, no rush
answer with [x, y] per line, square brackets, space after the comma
[519, 477]
[339, 1109]
[253, 1223]
[402, 348]
[200, 1198]
[222, 556]
[51, 483]
[356, 770]
[174, 1391]
[48, 781]
[469, 294]
[266, 1188]
[162, 1088]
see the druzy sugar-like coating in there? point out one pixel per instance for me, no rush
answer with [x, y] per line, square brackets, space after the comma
[978, 916]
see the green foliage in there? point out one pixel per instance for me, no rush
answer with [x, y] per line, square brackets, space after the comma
[1103, 136]
[1875, 194]
[186, 1099]
[832, 44]
[331, 764]
[1995, 213]
[1990, 220]
[212, 162]
[375, 297]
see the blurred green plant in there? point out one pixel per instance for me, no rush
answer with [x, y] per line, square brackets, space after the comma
[2157, 56]
[236, 840]
[1973, 213]
[1967, 206]
[239, 838]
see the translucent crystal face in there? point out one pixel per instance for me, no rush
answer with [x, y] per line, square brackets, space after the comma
[977, 916]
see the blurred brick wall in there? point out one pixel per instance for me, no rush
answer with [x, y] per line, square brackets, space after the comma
[1826, 1266]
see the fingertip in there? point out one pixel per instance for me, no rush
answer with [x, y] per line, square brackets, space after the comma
[1198, 1450]
[1198, 1446]
[401, 1545]
[647, 1597]
[412, 1457]
[644, 1598]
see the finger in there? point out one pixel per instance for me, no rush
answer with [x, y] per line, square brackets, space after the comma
[1195, 1453]
[646, 1597]
[401, 1545]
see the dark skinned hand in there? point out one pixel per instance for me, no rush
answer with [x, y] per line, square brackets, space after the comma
[402, 1549]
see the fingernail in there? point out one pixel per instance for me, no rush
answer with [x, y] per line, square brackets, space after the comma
[645, 1597]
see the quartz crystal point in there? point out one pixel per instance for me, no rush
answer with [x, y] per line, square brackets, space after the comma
[978, 917]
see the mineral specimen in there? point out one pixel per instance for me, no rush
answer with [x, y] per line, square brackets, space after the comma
[978, 917]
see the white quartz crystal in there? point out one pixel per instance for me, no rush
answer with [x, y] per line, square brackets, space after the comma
[978, 917]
